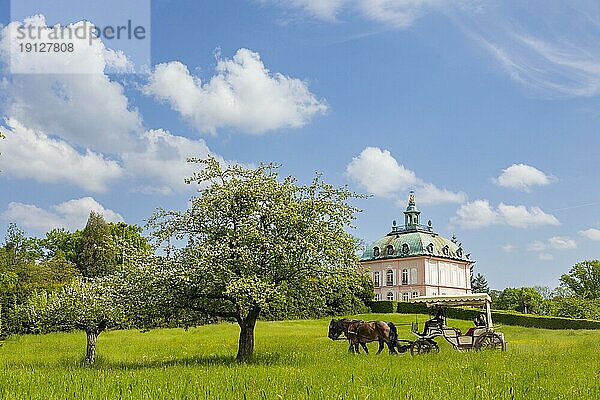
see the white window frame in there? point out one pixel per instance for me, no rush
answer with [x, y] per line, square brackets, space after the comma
[389, 282]
[405, 274]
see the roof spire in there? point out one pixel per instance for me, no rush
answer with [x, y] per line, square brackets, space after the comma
[412, 213]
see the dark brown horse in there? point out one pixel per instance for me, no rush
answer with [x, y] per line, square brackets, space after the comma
[360, 333]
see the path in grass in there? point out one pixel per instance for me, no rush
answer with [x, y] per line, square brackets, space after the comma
[296, 360]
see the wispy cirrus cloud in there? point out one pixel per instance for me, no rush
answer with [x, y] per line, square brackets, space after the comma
[394, 13]
[549, 47]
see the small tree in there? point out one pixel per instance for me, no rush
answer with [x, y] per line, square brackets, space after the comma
[252, 239]
[479, 284]
[90, 305]
[583, 279]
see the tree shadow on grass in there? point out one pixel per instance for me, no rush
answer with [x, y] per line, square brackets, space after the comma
[102, 362]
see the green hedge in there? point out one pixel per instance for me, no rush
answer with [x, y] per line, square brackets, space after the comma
[383, 306]
[499, 316]
[542, 321]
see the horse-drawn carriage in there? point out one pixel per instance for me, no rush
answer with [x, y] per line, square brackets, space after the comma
[479, 338]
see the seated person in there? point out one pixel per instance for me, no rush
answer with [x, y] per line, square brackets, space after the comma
[479, 323]
[436, 322]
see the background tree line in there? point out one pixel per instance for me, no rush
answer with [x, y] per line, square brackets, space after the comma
[31, 264]
[578, 295]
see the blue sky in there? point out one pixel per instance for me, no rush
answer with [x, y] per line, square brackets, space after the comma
[489, 110]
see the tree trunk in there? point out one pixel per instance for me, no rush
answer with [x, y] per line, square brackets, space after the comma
[246, 342]
[90, 353]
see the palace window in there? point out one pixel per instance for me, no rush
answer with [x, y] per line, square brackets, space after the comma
[375, 251]
[415, 294]
[390, 296]
[389, 278]
[376, 280]
[405, 296]
[405, 277]
[390, 250]
[413, 276]
[377, 297]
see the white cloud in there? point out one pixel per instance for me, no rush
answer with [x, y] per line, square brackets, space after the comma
[522, 177]
[87, 110]
[243, 95]
[428, 193]
[545, 257]
[72, 214]
[554, 243]
[36, 156]
[381, 175]
[562, 243]
[480, 214]
[475, 215]
[61, 127]
[591, 234]
[162, 166]
[536, 246]
[522, 217]
[508, 248]
[379, 172]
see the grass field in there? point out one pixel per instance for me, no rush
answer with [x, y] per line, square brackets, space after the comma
[296, 360]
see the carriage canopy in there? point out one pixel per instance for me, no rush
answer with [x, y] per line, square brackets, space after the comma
[474, 299]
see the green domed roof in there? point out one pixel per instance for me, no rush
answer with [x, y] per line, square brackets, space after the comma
[414, 243]
[414, 240]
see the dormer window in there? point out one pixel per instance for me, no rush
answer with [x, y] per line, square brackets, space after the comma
[446, 250]
[375, 251]
[390, 250]
[430, 248]
[459, 252]
[405, 248]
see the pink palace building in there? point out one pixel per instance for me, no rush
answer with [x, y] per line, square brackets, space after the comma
[413, 261]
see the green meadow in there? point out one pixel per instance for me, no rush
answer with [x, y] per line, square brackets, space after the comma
[296, 360]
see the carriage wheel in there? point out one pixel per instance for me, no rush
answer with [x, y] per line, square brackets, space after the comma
[490, 341]
[423, 346]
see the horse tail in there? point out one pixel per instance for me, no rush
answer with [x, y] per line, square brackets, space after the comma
[393, 334]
